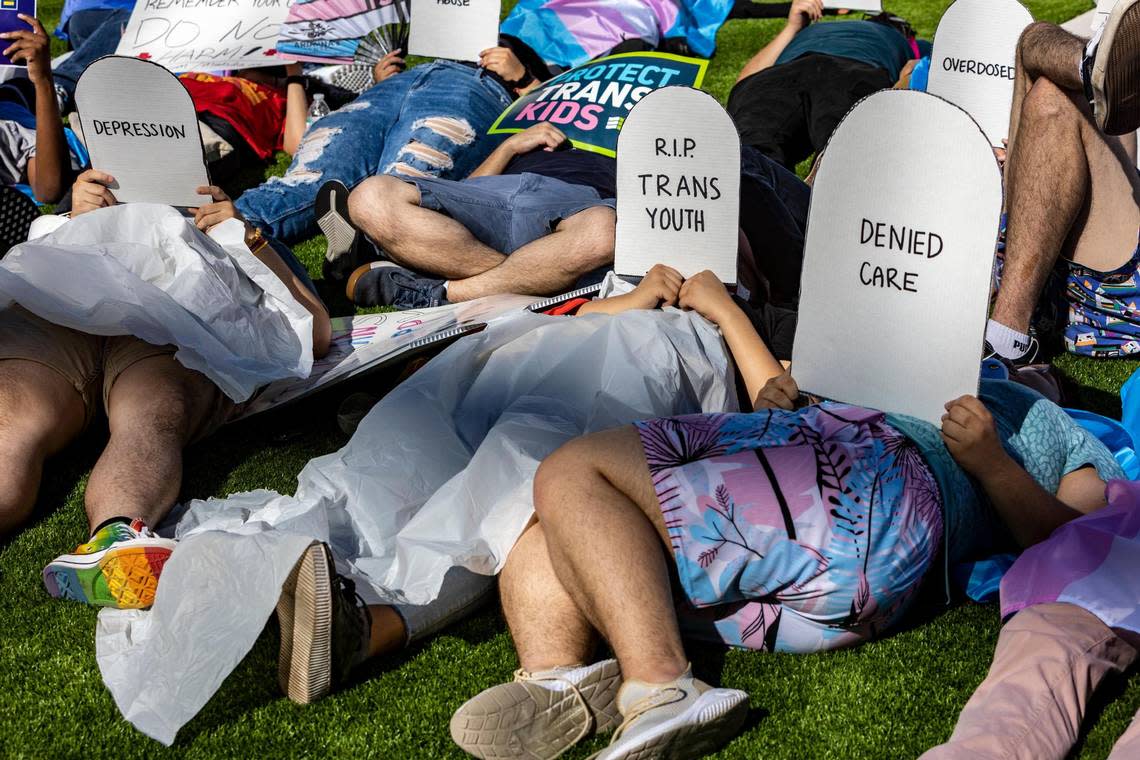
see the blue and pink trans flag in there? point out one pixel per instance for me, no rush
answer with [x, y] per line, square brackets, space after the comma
[570, 32]
[333, 31]
[1092, 562]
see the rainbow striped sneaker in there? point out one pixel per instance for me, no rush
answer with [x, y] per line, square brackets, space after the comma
[118, 567]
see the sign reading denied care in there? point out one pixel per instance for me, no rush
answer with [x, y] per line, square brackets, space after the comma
[455, 29]
[148, 141]
[896, 275]
[678, 186]
[972, 65]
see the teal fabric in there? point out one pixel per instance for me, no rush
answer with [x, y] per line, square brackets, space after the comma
[1035, 432]
[869, 42]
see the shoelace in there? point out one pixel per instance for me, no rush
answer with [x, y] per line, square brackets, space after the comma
[645, 704]
[524, 676]
[346, 587]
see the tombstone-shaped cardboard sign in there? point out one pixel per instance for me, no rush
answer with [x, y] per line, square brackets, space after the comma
[148, 138]
[454, 29]
[972, 66]
[204, 36]
[897, 258]
[678, 186]
[867, 6]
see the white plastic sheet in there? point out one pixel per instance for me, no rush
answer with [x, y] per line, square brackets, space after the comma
[143, 269]
[439, 474]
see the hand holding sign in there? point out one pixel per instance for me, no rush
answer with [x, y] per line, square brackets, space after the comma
[146, 147]
[457, 29]
[26, 45]
[896, 276]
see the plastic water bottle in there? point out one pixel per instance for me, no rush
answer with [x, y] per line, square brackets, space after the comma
[318, 109]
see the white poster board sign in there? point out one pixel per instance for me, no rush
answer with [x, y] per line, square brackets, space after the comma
[140, 127]
[897, 259]
[678, 186]
[867, 6]
[973, 63]
[454, 29]
[204, 35]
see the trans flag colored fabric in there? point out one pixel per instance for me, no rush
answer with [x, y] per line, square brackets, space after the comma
[341, 31]
[1092, 562]
[570, 32]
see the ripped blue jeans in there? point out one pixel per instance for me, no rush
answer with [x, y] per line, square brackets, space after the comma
[429, 121]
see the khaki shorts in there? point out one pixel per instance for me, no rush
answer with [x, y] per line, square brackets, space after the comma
[92, 363]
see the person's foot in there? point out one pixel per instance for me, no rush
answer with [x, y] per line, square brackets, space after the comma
[1028, 357]
[382, 283]
[683, 719]
[541, 714]
[118, 567]
[325, 627]
[1110, 70]
[342, 251]
[17, 212]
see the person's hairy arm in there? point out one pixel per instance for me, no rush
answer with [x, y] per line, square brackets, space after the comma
[803, 13]
[1029, 511]
[49, 168]
[541, 136]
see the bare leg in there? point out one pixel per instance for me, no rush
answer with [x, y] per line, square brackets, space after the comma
[605, 537]
[40, 413]
[154, 408]
[548, 629]
[1071, 191]
[388, 210]
[1044, 50]
[579, 244]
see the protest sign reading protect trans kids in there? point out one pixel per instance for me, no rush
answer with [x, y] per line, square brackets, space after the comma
[589, 103]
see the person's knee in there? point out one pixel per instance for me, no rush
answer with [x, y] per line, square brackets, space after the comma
[1047, 103]
[166, 411]
[562, 472]
[375, 204]
[594, 232]
[1031, 35]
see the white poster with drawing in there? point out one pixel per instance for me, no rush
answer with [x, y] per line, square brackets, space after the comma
[678, 186]
[897, 259]
[973, 63]
[455, 29]
[140, 127]
[204, 35]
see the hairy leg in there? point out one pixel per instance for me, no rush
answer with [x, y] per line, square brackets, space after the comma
[40, 413]
[579, 244]
[154, 408]
[388, 210]
[1070, 191]
[606, 539]
[547, 627]
[1044, 50]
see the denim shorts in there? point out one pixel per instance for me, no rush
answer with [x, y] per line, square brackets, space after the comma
[507, 211]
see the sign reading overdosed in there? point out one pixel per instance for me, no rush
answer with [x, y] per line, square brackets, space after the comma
[456, 29]
[204, 35]
[896, 275]
[147, 140]
[973, 63]
[589, 103]
[10, 21]
[678, 186]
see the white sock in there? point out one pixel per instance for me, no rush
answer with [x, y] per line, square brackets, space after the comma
[1006, 341]
[446, 285]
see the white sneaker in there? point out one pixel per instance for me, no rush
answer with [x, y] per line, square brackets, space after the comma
[686, 718]
[1110, 70]
[541, 714]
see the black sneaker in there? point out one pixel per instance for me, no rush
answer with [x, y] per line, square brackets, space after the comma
[325, 627]
[1110, 70]
[1027, 358]
[382, 283]
[344, 241]
[17, 212]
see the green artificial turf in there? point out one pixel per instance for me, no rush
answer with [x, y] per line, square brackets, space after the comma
[889, 699]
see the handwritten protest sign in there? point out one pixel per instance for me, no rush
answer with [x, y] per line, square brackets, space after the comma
[204, 35]
[896, 275]
[678, 186]
[867, 6]
[972, 66]
[589, 103]
[455, 29]
[149, 140]
[10, 21]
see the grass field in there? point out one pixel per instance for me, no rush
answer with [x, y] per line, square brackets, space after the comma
[890, 699]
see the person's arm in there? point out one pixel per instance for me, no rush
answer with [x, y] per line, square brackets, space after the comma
[91, 191]
[504, 62]
[296, 108]
[48, 169]
[660, 286]
[706, 295]
[1029, 511]
[542, 136]
[803, 12]
[208, 216]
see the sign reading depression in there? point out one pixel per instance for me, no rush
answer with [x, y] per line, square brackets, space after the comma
[204, 35]
[590, 103]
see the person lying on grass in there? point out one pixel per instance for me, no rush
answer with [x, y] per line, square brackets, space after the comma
[796, 528]
[55, 380]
